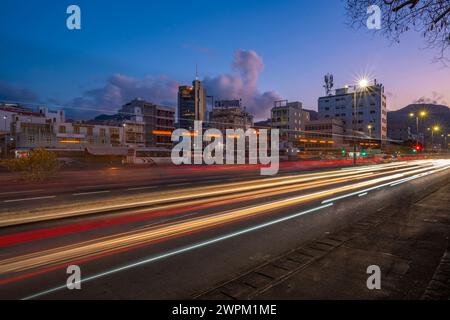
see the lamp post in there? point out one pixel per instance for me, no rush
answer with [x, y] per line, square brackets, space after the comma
[418, 115]
[362, 84]
[370, 128]
[433, 130]
[6, 137]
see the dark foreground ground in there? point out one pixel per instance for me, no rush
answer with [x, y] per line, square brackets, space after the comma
[410, 244]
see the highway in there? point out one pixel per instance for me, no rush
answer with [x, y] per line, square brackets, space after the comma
[172, 240]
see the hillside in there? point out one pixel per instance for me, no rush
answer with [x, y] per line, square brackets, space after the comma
[436, 115]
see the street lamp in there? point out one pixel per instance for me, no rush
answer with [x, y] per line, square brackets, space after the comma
[370, 127]
[362, 84]
[421, 114]
[435, 129]
[6, 137]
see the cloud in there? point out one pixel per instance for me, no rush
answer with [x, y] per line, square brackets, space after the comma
[120, 89]
[436, 98]
[10, 92]
[240, 83]
[243, 84]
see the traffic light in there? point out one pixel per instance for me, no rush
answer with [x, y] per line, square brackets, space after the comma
[364, 153]
[344, 151]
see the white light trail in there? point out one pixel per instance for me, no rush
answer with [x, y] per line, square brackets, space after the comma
[182, 250]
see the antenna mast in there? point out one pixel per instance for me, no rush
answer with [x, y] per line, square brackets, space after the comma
[329, 83]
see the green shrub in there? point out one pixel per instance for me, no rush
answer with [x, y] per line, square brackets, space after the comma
[38, 166]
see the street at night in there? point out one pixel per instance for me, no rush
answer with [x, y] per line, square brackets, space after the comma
[213, 159]
[179, 240]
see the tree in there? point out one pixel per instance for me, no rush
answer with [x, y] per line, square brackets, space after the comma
[39, 165]
[429, 17]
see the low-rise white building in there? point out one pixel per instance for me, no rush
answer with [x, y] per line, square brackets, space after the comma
[287, 117]
[27, 130]
[370, 117]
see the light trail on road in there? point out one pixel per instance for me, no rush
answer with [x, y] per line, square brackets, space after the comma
[200, 192]
[372, 178]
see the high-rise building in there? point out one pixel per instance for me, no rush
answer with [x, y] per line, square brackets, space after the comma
[370, 117]
[191, 104]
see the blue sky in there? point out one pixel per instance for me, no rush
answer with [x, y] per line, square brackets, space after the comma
[298, 42]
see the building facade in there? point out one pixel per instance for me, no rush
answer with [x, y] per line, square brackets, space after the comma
[287, 117]
[229, 114]
[49, 129]
[370, 117]
[323, 135]
[400, 132]
[159, 121]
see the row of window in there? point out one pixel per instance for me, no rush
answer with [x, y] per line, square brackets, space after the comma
[90, 130]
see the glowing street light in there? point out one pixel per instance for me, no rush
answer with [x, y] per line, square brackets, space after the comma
[421, 114]
[434, 130]
[363, 83]
[370, 128]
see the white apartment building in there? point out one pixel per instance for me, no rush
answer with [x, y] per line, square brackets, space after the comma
[370, 118]
[48, 129]
[287, 117]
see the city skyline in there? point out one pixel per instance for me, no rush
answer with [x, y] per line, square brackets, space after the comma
[117, 57]
[225, 159]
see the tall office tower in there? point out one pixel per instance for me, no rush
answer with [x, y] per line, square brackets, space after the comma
[191, 104]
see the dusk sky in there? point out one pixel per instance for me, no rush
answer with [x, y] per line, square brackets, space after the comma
[257, 50]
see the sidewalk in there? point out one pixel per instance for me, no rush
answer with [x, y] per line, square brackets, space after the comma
[408, 243]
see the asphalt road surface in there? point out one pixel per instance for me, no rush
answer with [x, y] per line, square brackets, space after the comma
[171, 241]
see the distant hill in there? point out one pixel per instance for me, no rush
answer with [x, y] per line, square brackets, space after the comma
[436, 115]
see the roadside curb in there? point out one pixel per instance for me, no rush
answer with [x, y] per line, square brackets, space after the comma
[439, 286]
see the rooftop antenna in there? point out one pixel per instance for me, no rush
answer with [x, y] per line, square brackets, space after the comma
[196, 71]
[329, 83]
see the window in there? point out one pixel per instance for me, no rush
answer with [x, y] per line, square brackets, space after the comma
[62, 129]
